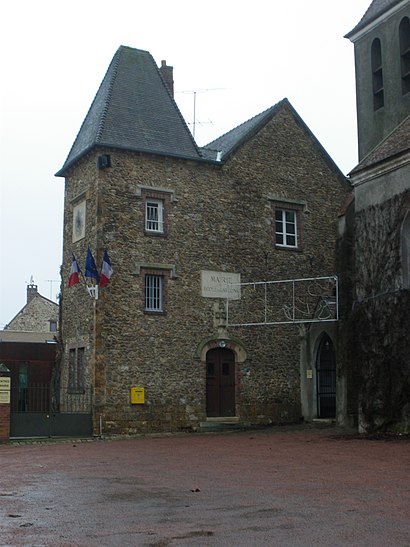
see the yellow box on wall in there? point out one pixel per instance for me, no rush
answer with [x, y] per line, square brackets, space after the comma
[137, 395]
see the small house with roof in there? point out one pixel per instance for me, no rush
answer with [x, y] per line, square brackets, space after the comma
[28, 346]
[185, 227]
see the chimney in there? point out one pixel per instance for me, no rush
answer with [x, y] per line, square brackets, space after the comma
[31, 292]
[167, 75]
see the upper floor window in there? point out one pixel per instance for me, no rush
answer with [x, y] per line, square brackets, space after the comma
[154, 293]
[377, 74]
[286, 228]
[154, 215]
[53, 326]
[404, 38]
[156, 207]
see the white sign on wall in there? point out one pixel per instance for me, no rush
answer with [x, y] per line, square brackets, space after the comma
[220, 285]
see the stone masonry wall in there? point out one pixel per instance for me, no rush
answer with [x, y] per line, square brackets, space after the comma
[219, 218]
[35, 316]
[378, 345]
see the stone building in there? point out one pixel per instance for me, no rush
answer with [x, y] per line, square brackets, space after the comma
[38, 315]
[377, 331]
[183, 226]
[28, 346]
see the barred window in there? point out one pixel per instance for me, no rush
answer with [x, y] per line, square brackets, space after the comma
[76, 370]
[154, 215]
[154, 293]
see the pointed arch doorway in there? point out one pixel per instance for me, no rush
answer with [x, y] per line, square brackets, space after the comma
[220, 382]
[326, 379]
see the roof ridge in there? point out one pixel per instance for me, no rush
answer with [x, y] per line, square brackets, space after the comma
[115, 63]
[260, 114]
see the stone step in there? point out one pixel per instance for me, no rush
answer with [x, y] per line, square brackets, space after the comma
[222, 424]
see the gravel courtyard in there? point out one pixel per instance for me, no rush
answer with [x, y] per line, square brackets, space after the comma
[276, 486]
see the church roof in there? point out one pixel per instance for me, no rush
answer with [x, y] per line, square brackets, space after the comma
[376, 8]
[395, 144]
[133, 110]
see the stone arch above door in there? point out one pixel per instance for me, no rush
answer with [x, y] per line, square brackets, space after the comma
[212, 342]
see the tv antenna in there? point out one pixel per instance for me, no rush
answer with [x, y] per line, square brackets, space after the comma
[194, 93]
[51, 281]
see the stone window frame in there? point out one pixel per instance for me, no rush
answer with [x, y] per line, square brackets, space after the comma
[154, 215]
[76, 369]
[53, 325]
[164, 196]
[297, 208]
[166, 272]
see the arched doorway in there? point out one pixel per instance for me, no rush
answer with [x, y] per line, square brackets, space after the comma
[220, 382]
[326, 379]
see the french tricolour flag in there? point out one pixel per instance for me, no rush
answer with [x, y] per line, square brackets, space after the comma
[74, 273]
[106, 270]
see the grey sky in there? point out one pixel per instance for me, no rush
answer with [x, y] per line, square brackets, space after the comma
[241, 57]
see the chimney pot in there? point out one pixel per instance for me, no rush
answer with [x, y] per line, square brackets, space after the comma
[31, 292]
[167, 75]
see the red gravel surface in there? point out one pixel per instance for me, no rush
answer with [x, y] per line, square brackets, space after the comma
[267, 487]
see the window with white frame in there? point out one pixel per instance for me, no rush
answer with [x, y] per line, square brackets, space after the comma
[286, 228]
[154, 215]
[154, 289]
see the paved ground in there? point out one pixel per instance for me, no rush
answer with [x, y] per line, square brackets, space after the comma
[267, 487]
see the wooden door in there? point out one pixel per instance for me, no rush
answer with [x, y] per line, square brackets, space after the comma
[220, 382]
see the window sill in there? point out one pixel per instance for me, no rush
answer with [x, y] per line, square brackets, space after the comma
[155, 234]
[287, 248]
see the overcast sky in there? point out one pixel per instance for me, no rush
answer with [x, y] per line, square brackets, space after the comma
[240, 57]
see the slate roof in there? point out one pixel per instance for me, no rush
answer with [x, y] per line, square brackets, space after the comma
[221, 148]
[133, 110]
[395, 144]
[376, 8]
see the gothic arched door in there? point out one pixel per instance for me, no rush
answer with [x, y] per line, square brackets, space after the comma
[220, 382]
[326, 379]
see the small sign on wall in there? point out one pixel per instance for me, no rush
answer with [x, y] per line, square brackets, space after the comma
[220, 285]
[309, 373]
[5, 384]
[5, 397]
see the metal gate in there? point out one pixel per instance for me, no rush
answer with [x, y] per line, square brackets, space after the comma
[326, 379]
[36, 413]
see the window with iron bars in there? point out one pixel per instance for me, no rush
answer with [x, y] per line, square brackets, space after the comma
[154, 297]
